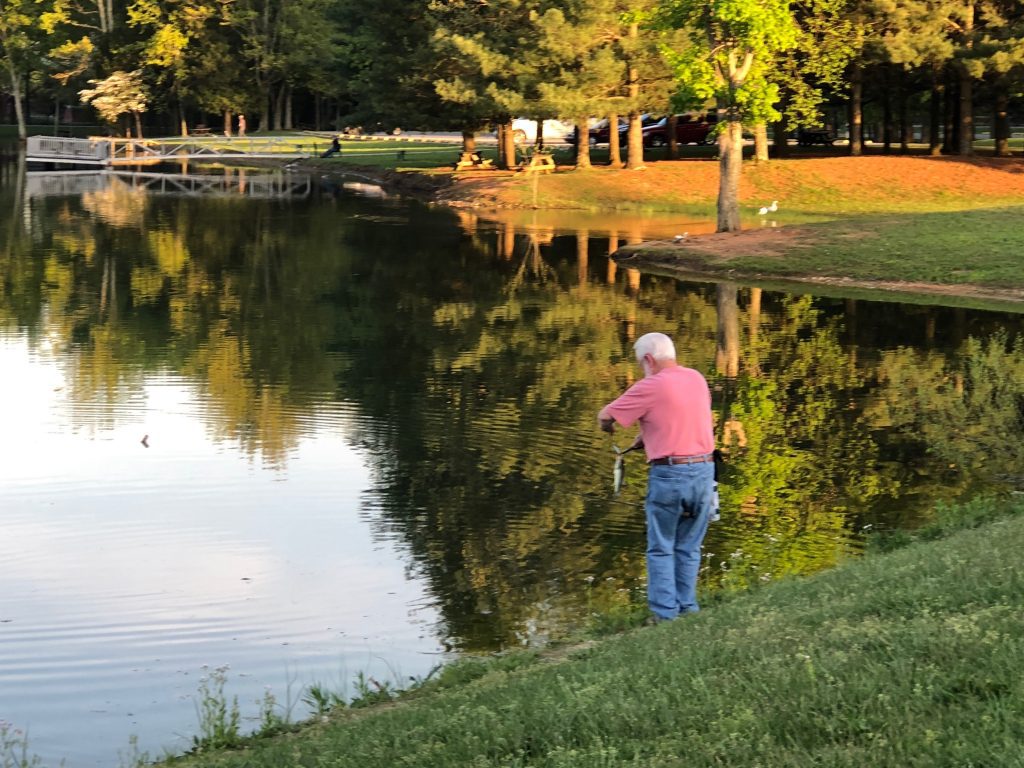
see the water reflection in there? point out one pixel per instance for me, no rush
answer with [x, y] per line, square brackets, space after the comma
[345, 395]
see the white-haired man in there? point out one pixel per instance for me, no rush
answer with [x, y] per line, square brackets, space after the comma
[673, 405]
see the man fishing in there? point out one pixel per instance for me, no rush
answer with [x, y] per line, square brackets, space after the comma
[673, 405]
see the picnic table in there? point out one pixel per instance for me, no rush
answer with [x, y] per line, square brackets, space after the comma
[539, 162]
[472, 161]
[201, 130]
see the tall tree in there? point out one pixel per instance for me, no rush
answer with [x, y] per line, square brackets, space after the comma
[830, 33]
[486, 69]
[20, 41]
[580, 39]
[120, 93]
[729, 61]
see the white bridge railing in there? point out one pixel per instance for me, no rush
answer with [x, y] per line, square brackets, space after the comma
[261, 185]
[111, 151]
[61, 150]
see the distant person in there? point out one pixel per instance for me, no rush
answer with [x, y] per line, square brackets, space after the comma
[673, 406]
[241, 125]
[335, 148]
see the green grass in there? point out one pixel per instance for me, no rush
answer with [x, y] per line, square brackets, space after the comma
[902, 659]
[976, 247]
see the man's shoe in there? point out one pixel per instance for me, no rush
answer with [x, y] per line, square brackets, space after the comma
[655, 619]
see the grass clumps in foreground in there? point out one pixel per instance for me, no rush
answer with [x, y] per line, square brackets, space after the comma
[902, 659]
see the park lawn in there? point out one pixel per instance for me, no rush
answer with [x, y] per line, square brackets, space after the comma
[957, 252]
[807, 188]
[977, 247]
[900, 659]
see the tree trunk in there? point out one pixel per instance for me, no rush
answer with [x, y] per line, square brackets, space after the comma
[856, 111]
[951, 125]
[886, 110]
[673, 140]
[317, 106]
[635, 137]
[28, 98]
[730, 161]
[761, 141]
[539, 142]
[227, 122]
[780, 139]
[264, 123]
[582, 144]
[614, 150]
[935, 114]
[19, 114]
[965, 144]
[904, 117]
[468, 141]
[183, 121]
[1001, 122]
[506, 146]
[634, 143]
[138, 125]
[279, 106]
[56, 117]
[289, 125]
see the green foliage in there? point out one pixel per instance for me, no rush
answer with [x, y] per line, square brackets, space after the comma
[730, 53]
[370, 691]
[219, 719]
[118, 94]
[321, 700]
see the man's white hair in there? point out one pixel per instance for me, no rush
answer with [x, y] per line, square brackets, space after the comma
[657, 345]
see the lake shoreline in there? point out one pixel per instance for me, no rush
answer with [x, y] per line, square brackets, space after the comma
[843, 223]
[885, 634]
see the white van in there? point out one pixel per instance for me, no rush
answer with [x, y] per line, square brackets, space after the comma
[524, 130]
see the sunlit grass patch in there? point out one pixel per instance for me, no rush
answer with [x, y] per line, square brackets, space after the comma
[980, 247]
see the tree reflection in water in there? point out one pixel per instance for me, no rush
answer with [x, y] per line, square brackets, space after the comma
[475, 355]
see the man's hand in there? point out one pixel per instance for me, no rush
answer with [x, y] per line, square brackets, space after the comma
[605, 422]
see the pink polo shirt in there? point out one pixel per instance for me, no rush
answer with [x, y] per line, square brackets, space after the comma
[674, 410]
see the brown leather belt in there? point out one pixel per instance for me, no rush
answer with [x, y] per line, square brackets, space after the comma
[673, 460]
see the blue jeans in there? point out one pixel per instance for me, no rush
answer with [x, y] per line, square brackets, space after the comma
[679, 501]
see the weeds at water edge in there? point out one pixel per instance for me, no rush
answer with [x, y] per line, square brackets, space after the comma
[14, 748]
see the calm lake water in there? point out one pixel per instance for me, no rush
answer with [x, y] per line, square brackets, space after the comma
[303, 431]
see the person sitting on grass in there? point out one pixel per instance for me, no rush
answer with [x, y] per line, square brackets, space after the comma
[335, 148]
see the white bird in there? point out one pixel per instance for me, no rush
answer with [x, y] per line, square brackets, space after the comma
[680, 238]
[774, 206]
[762, 211]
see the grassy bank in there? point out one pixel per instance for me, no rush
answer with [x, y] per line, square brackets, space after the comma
[968, 252]
[906, 658]
[980, 247]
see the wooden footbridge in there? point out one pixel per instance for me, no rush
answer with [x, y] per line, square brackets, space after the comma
[110, 151]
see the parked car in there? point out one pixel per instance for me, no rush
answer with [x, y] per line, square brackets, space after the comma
[692, 128]
[807, 137]
[599, 133]
[524, 130]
